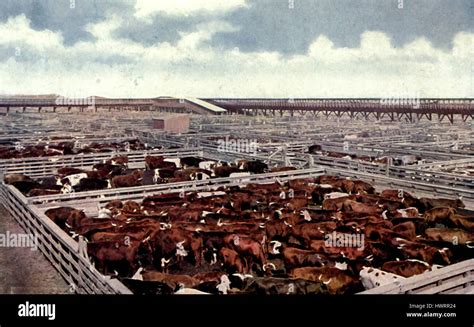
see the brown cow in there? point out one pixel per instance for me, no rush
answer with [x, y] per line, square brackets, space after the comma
[66, 218]
[406, 268]
[133, 179]
[353, 206]
[429, 203]
[249, 248]
[232, 260]
[438, 214]
[406, 229]
[107, 254]
[337, 281]
[454, 236]
[294, 257]
[173, 281]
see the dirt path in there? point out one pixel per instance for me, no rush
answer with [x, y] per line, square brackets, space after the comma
[23, 271]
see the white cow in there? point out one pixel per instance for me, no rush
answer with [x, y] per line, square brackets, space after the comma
[373, 277]
[75, 178]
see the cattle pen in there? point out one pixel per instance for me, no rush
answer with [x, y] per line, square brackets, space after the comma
[424, 159]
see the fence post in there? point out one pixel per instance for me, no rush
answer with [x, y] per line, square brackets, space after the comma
[389, 163]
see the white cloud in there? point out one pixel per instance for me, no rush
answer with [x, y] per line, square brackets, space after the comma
[145, 9]
[115, 67]
[16, 32]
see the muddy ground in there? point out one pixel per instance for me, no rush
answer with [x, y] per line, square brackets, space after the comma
[23, 271]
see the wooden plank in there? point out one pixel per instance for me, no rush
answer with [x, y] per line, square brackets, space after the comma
[422, 280]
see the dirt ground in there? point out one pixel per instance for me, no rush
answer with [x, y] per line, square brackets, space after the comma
[23, 271]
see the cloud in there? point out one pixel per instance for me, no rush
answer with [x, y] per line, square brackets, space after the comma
[17, 32]
[110, 65]
[146, 9]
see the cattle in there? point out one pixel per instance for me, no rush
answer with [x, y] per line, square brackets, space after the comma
[373, 277]
[176, 243]
[172, 280]
[39, 192]
[13, 178]
[131, 180]
[91, 184]
[428, 203]
[275, 286]
[232, 260]
[26, 186]
[248, 247]
[409, 212]
[438, 214]
[337, 281]
[400, 195]
[224, 171]
[464, 222]
[277, 230]
[315, 148]
[406, 229]
[406, 268]
[122, 256]
[336, 252]
[335, 204]
[65, 217]
[253, 166]
[51, 182]
[308, 231]
[353, 206]
[294, 257]
[452, 235]
[421, 251]
[107, 170]
[361, 187]
[158, 162]
[191, 161]
[243, 232]
[120, 161]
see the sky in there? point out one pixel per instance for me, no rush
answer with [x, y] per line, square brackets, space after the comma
[237, 48]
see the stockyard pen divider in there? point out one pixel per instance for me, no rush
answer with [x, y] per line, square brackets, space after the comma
[416, 188]
[139, 192]
[426, 181]
[457, 278]
[63, 252]
[403, 172]
[44, 166]
[66, 254]
[447, 164]
[53, 138]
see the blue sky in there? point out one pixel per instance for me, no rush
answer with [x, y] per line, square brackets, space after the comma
[232, 48]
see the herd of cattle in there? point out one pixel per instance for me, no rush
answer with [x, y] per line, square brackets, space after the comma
[12, 149]
[323, 235]
[114, 173]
